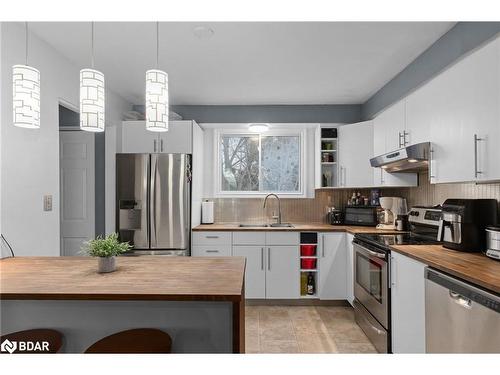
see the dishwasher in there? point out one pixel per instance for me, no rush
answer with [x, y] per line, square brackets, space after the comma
[460, 317]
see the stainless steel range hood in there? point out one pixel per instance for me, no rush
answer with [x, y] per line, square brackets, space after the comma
[413, 158]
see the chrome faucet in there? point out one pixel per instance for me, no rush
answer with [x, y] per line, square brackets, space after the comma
[279, 206]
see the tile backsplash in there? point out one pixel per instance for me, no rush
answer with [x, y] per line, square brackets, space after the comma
[250, 210]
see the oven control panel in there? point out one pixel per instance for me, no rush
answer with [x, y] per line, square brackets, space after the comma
[423, 215]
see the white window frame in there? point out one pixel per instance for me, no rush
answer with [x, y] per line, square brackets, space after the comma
[219, 193]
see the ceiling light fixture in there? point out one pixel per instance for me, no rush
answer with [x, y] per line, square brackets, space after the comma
[26, 93]
[157, 94]
[92, 96]
[258, 127]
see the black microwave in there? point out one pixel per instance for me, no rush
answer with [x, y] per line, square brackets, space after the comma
[361, 215]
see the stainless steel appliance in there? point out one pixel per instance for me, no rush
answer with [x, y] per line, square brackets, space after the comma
[459, 317]
[493, 242]
[412, 158]
[361, 215]
[372, 303]
[153, 193]
[464, 221]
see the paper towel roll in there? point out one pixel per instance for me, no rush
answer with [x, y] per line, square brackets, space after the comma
[207, 212]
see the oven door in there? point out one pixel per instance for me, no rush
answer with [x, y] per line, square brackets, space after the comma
[370, 282]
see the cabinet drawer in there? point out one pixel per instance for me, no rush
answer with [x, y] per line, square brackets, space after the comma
[282, 238]
[212, 238]
[211, 251]
[249, 238]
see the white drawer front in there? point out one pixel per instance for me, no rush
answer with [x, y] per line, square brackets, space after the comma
[211, 238]
[211, 251]
[282, 238]
[249, 238]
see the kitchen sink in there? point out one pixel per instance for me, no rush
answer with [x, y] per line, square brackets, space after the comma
[282, 225]
[253, 225]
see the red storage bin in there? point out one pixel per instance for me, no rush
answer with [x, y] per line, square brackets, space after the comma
[308, 263]
[307, 250]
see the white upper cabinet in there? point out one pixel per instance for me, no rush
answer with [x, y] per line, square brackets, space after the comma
[355, 148]
[389, 134]
[178, 138]
[460, 109]
[136, 139]
[418, 112]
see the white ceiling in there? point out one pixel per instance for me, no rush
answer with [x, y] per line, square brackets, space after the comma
[249, 63]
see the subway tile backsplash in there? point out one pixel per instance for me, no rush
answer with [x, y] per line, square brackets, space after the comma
[250, 210]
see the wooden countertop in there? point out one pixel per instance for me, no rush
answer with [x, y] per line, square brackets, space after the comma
[476, 268]
[297, 227]
[136, 278]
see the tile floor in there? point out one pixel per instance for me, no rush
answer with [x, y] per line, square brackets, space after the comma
[304, 329]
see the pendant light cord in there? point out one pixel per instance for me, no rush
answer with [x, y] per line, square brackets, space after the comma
[26, 30]
[157, 43]
[92, 44]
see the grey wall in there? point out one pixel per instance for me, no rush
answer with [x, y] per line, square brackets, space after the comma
[267, 113]
[68, 117]
[461, 39]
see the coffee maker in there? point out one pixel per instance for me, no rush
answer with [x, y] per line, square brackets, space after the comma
[463, 223]
[393, 207]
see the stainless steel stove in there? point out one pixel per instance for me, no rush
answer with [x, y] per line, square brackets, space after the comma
[371, 272]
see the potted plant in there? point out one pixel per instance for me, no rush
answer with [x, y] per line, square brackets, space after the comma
[106, 249]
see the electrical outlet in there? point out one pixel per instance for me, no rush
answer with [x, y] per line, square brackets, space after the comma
[47, 202]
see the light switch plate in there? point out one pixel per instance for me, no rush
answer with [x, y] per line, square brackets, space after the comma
[47, 202]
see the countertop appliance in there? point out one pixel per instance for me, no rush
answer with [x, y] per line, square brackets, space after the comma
[335, 216]
[361, 215]
[459, 317]
[411, 158]
[393, 207]
[371, 272]
[493, 242]
[153, 193]
[463, 223]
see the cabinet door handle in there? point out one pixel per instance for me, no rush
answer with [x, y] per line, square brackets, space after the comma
[405, 133]
[476, 169]
[269, 258]
[212, 251]
[323, 246]
[211, 236]
[401, 135]
[431, 164]
[161, 145]
[154, 145]
[262, 258]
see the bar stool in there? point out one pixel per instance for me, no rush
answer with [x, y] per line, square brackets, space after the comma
[35, 336]
[133, 341]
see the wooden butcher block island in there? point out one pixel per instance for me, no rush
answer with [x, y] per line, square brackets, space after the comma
[198, 301]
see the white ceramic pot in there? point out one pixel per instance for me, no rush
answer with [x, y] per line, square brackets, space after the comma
[106, 264]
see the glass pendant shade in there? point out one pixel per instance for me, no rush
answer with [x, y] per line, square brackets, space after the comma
[156, 101]
[92, 104]
[26, 96]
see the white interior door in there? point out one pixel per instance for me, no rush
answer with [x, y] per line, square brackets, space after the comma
[76, 152]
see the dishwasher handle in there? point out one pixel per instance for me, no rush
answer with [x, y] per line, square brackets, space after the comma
[464, 293]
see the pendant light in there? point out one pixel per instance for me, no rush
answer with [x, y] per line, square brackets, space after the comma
[26, 93]
[157, 94]
[92, 96]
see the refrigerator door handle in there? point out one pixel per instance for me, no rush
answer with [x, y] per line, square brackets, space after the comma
[152, 214]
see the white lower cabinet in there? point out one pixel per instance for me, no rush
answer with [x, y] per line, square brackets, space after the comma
[282, 278]
[332, 266]
[211, 251]
[407, 304]
[349, 268]
[255, 271]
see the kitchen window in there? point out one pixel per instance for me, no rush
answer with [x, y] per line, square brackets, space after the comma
[250, 164]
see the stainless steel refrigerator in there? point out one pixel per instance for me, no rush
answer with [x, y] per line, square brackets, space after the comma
[153, 193]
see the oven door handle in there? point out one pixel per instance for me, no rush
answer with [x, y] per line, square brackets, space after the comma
[374, 253]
